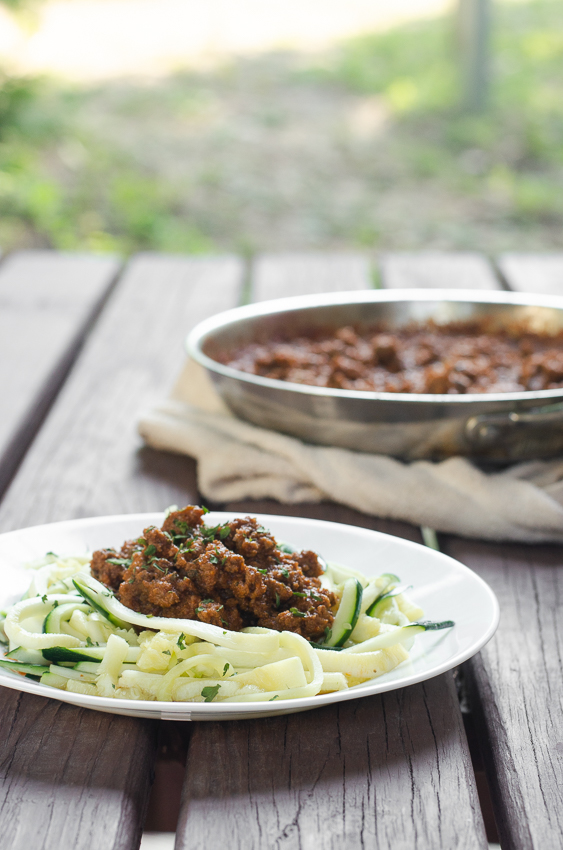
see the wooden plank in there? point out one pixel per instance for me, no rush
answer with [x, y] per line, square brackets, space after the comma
[437, 270]
[284, 275]
[538, 273]
[387, 771]
[71, 778]
[89, 460]
[373, 772]
[47, 302]
[508, 678]
[516, 679]
[517, 690]
[91, 788]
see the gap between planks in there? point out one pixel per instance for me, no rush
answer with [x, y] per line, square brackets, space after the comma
[516, 689]
[537, 273]
[71, 776]
[437, 270]
[48, 303]
[257, 792]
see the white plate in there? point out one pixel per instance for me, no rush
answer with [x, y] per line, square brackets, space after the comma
[443, 587]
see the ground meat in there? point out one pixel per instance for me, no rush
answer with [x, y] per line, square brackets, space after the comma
[231, 575]
[108, 566]
[462, 357]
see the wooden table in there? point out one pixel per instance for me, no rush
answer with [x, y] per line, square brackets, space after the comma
[85, 344]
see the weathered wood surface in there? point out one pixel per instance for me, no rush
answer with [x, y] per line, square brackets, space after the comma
[516, 679]
[88, 459]
[282, 275]
[72, 777]
[47, 301]
[437, 270]
[517, 690]
[376, 772]
[539, 273]
[389, 771]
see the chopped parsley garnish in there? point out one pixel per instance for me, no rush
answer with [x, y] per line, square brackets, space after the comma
[119, 562]
[285, 547]
[224, 531]
[296, 613]
[44, 598]
[211, 531]
[56, 603]
[150, 615]
[181, 531]
[264, 572]
[284, 572]
[210, 692]
[296, 593]
[166, 652]
[277, 600]
[217, 559]
[276, 696]
[53, 555]
[181, 641]
[204, 509]
[150, 550]
[225, 668]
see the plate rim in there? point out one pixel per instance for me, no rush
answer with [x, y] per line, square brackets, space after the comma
[219, 711]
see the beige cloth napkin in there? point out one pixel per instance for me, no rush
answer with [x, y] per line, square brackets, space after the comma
[238, 461]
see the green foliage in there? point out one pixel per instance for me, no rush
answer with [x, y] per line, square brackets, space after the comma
[263, 153]
[16, 94]
[21, 6]
[513, 152]
[411, 66]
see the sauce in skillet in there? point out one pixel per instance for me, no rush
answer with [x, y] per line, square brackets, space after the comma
[441, 359]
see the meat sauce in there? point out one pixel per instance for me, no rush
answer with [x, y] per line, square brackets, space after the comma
[231, 575]
[446, 359]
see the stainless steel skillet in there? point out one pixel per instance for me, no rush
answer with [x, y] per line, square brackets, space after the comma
[501, 427]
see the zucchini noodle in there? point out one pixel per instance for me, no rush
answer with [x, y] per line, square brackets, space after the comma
[70, 632]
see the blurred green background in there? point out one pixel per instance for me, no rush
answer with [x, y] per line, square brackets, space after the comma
[362, 144]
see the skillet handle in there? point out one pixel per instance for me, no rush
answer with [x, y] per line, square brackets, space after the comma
[517, 435]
